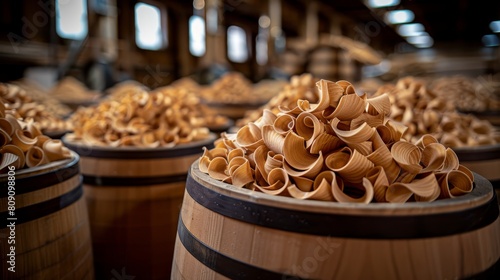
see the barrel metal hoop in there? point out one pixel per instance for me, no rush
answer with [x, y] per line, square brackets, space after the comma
[42, 209]
[222, 264]
[45, 180]
[103, 181]
[344, 225]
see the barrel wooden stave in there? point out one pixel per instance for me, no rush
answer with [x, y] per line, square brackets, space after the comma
[134, 197]
[322, 257]
[55, 245]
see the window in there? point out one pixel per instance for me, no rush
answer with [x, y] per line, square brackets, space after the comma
[71, 19]
[148, 27]
[237, 50]
[196, 36]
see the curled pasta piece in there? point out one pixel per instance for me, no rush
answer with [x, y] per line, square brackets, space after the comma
[4, 138]
[340, 195]
[360, 134]
[278, 182]
[325, 143]
[433, 157]
[23, 140]
[272, 139]
[7, 159]
[55, 150]
[407, 156]
[379, 181]
[35, 157]
[15, 150]
[284, 123]
[241, 174]
[351, 165]
[455, 183]
[379, 105]
[322, 188]
[309, 127]
[249, 137]
[350, 107]
[217, 169]
[424, 189]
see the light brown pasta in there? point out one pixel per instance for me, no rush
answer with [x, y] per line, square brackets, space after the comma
[342, 155]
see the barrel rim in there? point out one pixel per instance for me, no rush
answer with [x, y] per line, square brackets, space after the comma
[482, 193]
[46, 168]
[184, 149]
[474, 153]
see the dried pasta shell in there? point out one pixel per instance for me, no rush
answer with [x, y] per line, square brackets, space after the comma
[268, 118]
[433, 157]
[455, 183]
[379, 105]
[55, 150]
[242, 174]
[451, 161]
[7, 159]
[15, 150]
[272, 139]
[217, 169]
[322, 188]
[284, 123]
[425, 189]
[33, 130]
[338, 192]
[325, 143]
[350, 107]
[249, 137]
[6, 126]
[22, 139]
[379, 181]
[273, 161]
[407, 156]
[358, 135]
[382, 157]
[35, 157]
[278, 182]
[4, 138]
[352, 166]
[309, 127]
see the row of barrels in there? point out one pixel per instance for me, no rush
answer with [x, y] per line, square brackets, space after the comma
[151, 214]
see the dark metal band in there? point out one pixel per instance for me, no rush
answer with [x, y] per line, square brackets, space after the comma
[132, 181]
[343, 225]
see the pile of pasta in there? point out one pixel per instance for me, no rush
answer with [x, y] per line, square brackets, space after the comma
[342, 149]
[41, 96]
[23, 145]
[467, 94]
[165, 117]
[71, 91]
[424, 112]
[16, 98]
[232, 88]
[299, 87]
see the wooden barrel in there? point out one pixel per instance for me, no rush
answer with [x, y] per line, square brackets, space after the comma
[484, 160]
[134, 196]
[226, 232]
[234, 111]
[51, 237]
[492, 116]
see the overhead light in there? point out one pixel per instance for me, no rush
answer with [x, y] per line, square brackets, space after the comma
[491, 40]
[495, 26]
[382, 3]
[427, 44]
[419, 40]
[410, 29]
[399, 16]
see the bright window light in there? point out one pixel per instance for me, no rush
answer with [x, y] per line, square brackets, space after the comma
[237, 44]
[261, 50]
[491, 40]
[399, 16]
[148, 32]
[71, 19]
[382, 3]
[411, 29]
[419, 40]
[495, 26]
[197, 43]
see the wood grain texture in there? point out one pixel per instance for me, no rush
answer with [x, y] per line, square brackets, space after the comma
[133, 219]
[311, 256]
[53, 246]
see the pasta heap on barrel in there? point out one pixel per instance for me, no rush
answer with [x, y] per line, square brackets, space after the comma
[341, 149]
[23, 145]
[467, 94]
[300, 87]
[16, 98]
[232, 88]
[424, 112]
[165, 117]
